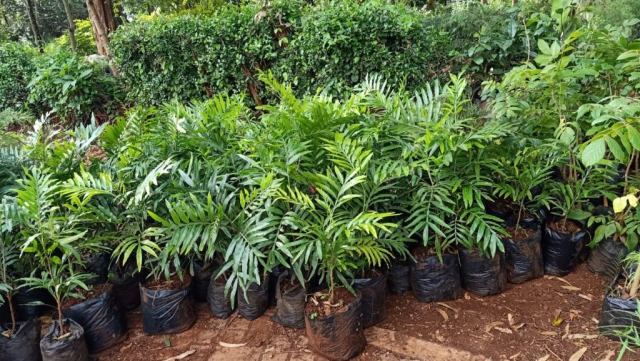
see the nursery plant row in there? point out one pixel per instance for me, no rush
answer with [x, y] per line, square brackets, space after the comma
[320, 204]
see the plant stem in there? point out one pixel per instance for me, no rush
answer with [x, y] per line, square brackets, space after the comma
[13, 314]
[626, 173]
[331, 286]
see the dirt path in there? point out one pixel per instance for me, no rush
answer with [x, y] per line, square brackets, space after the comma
[516, 325]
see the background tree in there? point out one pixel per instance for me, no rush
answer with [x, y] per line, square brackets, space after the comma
[72, 25]
[33, 23]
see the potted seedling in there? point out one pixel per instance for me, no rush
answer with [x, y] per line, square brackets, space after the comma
[565, 234]
[53, 235]
[332, 232]
[18, 340]
[518, 179]
[615, 236]
[620, 305]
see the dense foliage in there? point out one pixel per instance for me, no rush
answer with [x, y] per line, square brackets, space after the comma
[16, 69]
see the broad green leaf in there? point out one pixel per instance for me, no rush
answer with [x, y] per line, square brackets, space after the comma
[593, 152]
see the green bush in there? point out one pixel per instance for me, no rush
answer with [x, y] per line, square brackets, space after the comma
[338, 44]
[334, 45]
[189, 57]
[16, 69]
[67, 84]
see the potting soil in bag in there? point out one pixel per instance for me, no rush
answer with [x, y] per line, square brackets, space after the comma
[127, 290]
[219, 303]
[483, 276]
[200, 281]
[256, 301]
[291, 303]
[605, 258]
[524, 258]
[399, 279]
[167, 311]
[23, 298]
[24, 345]
[373, 298]
[104, 324]
[561, 251]
[339, 336]
[433, 281]
[617, 316]
[71, 348]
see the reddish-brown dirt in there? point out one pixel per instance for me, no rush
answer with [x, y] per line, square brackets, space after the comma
[516, 325]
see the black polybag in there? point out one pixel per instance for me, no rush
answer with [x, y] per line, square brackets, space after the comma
[219, 303]
[23, 298]
[104, 324]
[274, 278]
[561, 251]
[605, 258]
[524, 258]
[617, 316]
[399, 279]
[200, 281]
[433, 281]
[339, 336]
[99, 266]
[482, 275]
[290, 305]
[126, 290]
[24, 345]
[256, 301]
[72, 348]
[167, 311]
[373, 298]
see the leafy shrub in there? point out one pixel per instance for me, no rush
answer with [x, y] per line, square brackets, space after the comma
[338, 44]
[85, 43]
[16, 69]
[190, 56]
[10, 116]
[70, 86]
[616, 12]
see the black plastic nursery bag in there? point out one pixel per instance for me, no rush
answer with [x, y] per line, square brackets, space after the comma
[373, 298]
[561, 251]
[482, 275]
[167, 311]
[126, 290]
[256, 301]
[433, 281]
[399, 279]
[200, 281]
[104, 324]
[219, 303]
[617, 315]
[605, 258]
[524, 258]
[290, 305]
[71, 348]
[24, 345]
[339, 336]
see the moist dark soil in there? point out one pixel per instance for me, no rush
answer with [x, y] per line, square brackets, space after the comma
[565, 227]
[288, 284]
[502, 205]
[174, 282]
[520, 233]
[370, 273]
[423, 252]
[94, 292]
[319, 305]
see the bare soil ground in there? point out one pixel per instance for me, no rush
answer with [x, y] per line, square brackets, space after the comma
[546, 319]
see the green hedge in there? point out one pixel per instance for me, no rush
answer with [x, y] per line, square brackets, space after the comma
[16, 70]
[192, 57]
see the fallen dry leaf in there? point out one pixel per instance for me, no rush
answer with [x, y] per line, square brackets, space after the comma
[510, 318]
[588, 298]
[578, 336]
[503, 330]
[126, 347]
[549, 333]
[566, 332]
[557, 321]
[447, 306]
[578, 355]
[515, 356]
[573, 314]
[490, 326]
[439, 337]
[232, 345]
[571, 288]
[517, 327]
[466, 296]
[443, 314]
[545, 358]
[181, 356]
[563, 280]
[608, 355]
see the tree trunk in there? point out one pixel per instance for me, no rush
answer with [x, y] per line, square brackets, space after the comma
[72, 25]
[103, 22]
[432, 5]
[34, 24]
